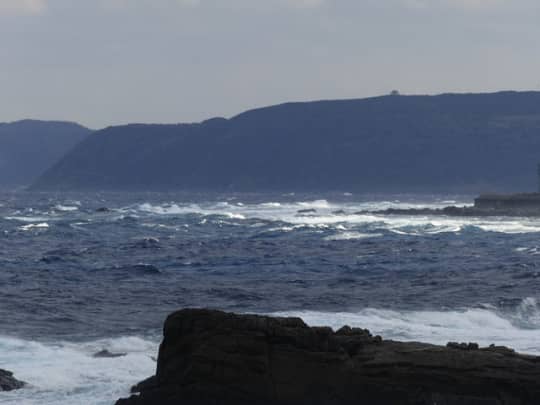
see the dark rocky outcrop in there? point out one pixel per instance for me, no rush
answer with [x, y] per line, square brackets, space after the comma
[8, 382]
[212, 357]
[307, 211]
[453, 211]
[106, 354]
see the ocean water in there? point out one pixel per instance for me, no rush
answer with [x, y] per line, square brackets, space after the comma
[84, 272]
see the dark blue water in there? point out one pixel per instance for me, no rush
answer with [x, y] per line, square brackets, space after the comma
[84, 267]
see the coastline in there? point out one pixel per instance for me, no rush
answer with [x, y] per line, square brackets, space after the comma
[454, 211]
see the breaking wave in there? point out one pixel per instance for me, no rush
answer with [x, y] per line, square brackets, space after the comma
[66, 208]
[29, 227]
[518, 329]
[355, 216]
[64, 373]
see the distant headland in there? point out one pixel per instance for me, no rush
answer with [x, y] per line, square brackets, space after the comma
[29, 147]
[451, 143]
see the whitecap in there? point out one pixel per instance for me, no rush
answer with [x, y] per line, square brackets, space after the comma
[287, 228]
[65, 208]
[282, 229]
[504, 225]
[27, 219]
[315, 204]
[29, 227]
[172, 209]
[532, 251]
[271, 205]
[352, 236]
[234, 216]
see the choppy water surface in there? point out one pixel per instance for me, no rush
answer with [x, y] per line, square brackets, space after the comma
[83, 272]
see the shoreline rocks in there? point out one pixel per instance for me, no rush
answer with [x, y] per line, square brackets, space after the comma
[453, 211]
[213, 357]
[106, 354]
[8, 382]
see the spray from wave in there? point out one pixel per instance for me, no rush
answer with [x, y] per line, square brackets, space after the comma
[518, 329]
[65, 373]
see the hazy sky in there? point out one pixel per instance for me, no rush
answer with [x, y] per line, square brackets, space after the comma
[104, 62]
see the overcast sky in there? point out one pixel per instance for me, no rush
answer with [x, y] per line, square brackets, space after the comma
[105, 62]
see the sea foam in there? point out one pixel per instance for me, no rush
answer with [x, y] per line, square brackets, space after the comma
[519, 329]
[64, 373]
[320, 213]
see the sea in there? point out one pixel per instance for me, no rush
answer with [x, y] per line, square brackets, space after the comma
[85, 272]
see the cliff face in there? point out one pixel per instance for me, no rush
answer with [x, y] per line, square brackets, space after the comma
[28, 148]
[458, 143]
[212, 357]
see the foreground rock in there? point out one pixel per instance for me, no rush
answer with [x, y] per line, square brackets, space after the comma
[8, 382]
[212, 357]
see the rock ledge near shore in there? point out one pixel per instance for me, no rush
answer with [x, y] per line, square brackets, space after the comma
[8, 382]
[453, 211]
[213, 357]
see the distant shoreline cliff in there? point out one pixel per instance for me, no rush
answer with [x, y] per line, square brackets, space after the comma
[29, 147]
[451, 143]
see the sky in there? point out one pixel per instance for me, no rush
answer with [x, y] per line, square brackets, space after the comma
[110, 62]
